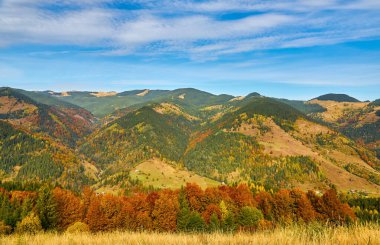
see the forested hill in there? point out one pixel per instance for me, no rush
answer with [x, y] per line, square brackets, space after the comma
[165, 138]
[337, 98]
[62, 121]
[33, 157]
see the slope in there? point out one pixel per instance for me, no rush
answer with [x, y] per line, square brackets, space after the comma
[357, 120]
[26, 157]
[272, 144]
[64, 122]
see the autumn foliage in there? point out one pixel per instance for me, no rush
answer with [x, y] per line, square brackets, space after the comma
[223, 208]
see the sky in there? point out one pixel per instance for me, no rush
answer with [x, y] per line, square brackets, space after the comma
[295, 49]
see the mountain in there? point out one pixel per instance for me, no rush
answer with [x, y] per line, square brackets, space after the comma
[260, 140]
[277, 146]
[165, 138]
[357, 120]
[337, 98]
[60, 120]
[26, 156]
[104, 103]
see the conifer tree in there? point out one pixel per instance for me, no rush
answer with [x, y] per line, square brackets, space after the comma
[214, 223]
[184, 213]
[46, 208]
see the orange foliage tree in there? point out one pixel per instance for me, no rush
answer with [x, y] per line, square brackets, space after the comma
[69, 208]
[165, 211]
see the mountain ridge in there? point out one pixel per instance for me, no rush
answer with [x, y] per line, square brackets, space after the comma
[276, 143]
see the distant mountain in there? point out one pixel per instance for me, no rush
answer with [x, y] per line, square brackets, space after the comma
[337, 98]
[63, 121]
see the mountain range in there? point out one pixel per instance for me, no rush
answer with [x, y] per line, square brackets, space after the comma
[165, 138]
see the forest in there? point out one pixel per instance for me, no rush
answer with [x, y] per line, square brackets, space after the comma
[190, 209]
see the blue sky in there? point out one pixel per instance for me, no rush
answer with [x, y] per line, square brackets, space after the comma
[295, 49]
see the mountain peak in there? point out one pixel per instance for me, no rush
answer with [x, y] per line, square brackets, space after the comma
[337, 98]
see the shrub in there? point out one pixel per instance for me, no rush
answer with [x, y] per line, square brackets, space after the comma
[78, 227]
[249, 217]
[4, 228]
[30, 224]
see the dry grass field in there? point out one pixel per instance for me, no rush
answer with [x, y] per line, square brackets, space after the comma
[360, 234]
[159, 174]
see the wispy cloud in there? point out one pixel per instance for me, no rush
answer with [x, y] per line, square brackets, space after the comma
[194, 28]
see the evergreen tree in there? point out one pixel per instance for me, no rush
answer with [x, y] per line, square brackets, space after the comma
[26, 208]
[229, 224]
[196, 223]
[250, 217]
[214, 223]
[46, 208]
[184, 213]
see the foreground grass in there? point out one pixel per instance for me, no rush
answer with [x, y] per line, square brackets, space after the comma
[360, 234]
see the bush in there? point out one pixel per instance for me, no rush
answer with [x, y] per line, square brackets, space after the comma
[30, 224]
[4, 228]
[78, 227]
[249, 217]
[196, 223]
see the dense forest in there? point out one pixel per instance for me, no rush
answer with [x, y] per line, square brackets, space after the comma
[189, 209]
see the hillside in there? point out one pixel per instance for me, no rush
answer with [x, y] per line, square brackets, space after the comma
[272, 144]
[259, 140]
[63, 121]
[357, 120]
[140, 135]
[26, 156]
[165, 138]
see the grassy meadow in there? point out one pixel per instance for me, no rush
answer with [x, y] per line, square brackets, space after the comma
[310, 234]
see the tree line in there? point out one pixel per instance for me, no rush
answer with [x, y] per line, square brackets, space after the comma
[189, 209]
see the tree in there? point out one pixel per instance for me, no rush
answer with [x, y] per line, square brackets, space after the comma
[165, 211]
[27, 207]
[282, 206]
[138, 213]
[69, 208]
[210, 210]
[87, 194]
[249, 217]
[30, 224]
[303, 210]
[229, 223]
[196, 223]
[242, 196]
[184, 213]
[265, 204]
[214, 224]
[336, 212]
[46, 208]
[195, 197]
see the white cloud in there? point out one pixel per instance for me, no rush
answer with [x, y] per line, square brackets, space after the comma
[187, 27]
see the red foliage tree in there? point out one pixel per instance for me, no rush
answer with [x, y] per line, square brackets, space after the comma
[195, 197]
[210, 210]
[334, 210]
[264, 202]
[138, 213]
[302, 207]
[282, 206]
[69, 208]
[242, 196]
[165, 211]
